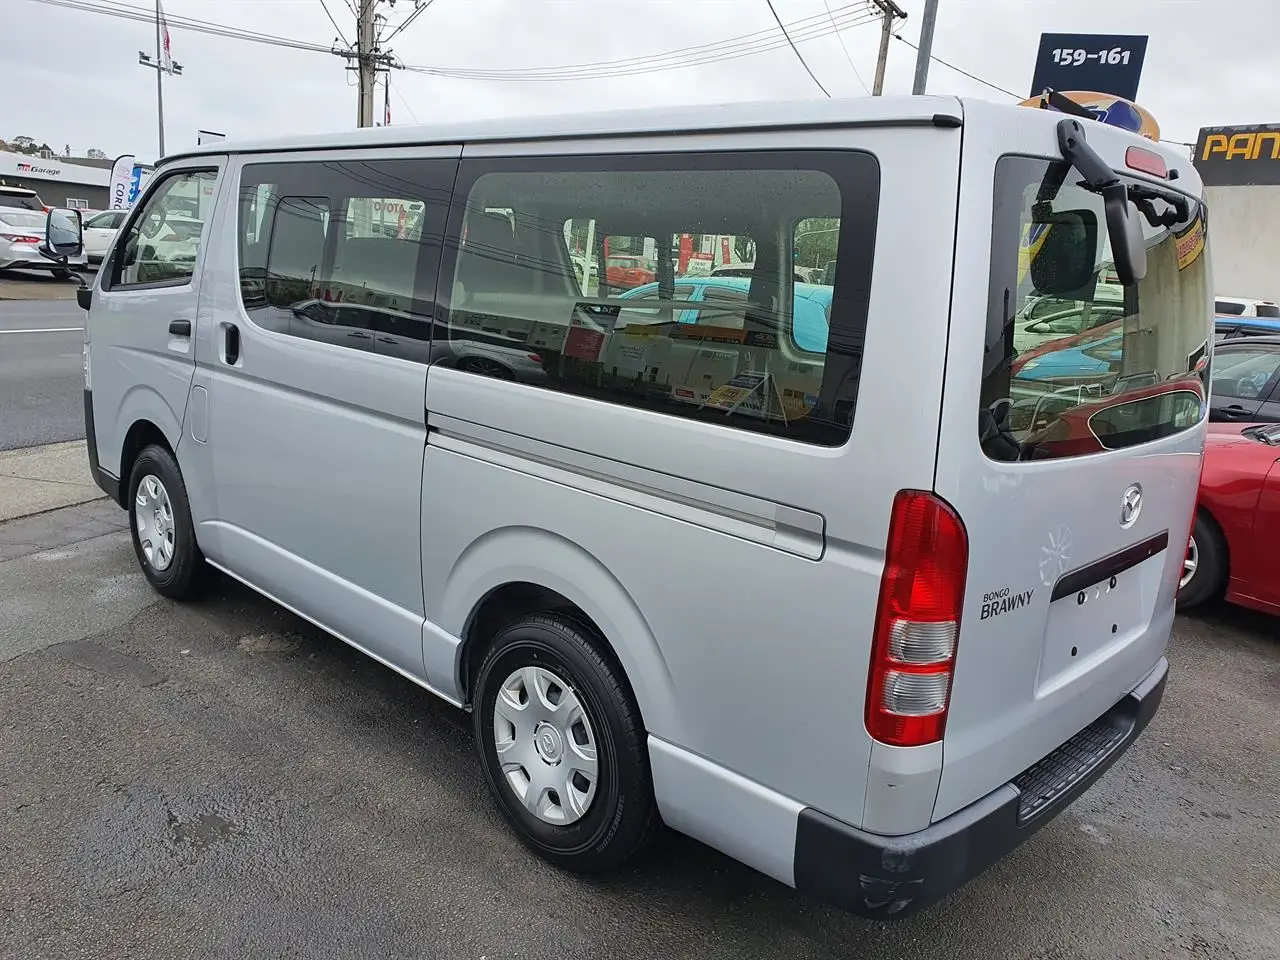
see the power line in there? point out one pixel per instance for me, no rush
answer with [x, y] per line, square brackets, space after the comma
[401, 97]
[124, 11]
[409, 19]
[952, 66]
[796, 50]
[732, 49]
[852, 66]
[341, 36]
[807, 28]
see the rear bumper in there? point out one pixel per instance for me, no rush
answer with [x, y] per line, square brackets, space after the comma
[890, 877]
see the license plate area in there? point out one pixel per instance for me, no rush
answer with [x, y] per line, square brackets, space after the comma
[1091, 624]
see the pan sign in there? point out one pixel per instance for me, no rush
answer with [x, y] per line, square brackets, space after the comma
[1239, 156]
[1106, 63]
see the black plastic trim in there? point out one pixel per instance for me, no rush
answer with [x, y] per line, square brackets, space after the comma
[888, 878]
[1112, 566]
[110, 485]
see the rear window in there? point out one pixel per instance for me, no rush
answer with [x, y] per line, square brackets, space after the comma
[1102, 368]
[1228, 309]
[25, 199]
[1268, 310]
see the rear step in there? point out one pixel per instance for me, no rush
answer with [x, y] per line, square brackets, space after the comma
[1049, 779]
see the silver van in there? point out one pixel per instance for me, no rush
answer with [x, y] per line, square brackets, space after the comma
[855, 592]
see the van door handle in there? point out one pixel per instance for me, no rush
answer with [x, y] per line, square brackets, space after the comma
[358, 333]
[180, 328]
[231, 344]
[1236, 411]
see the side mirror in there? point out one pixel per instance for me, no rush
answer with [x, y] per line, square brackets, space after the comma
[63, 234]
[1128, 245]
[1067, 258]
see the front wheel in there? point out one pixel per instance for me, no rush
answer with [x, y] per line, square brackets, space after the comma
[164, 537]
[562, 745]
[1204, 568]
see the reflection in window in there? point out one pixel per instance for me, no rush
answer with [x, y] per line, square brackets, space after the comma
[163, 240]
[1073, 372]
[682, 285]
[344, 253]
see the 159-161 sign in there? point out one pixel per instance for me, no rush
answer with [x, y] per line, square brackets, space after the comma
[1101, 63]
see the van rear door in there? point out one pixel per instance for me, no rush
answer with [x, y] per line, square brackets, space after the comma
[1073, 464]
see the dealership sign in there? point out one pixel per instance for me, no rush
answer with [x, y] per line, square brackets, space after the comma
[37, 168]
[1239, 156]
[1105, 63]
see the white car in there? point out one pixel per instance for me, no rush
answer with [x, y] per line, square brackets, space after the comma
[21, 234]
[100, 232]
[1244, 307]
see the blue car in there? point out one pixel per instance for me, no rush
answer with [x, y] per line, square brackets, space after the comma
[811, 308]
[1090, 360]
[1228, 327]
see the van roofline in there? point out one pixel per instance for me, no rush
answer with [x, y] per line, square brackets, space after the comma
[651, 121]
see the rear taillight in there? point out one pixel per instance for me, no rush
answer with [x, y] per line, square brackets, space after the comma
[535, 357]
[917, 624]
[19, 238]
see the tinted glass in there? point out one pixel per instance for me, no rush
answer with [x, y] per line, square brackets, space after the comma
[159, 245]
[1228, 309]
[1105, 367]
[345, 253]
[656, 329]
[24, 199]
[1268, 310]
[1244, 373]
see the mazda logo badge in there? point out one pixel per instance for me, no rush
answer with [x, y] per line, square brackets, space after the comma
[1131, 505]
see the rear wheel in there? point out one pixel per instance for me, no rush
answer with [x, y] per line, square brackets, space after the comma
[562, 745]
[1204, 568]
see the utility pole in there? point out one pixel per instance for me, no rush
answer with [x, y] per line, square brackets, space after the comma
[369, 58]
[925, 51]
[891, 12]
[162, 64]
[366, 41]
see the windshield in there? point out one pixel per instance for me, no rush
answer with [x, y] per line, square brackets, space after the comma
[1103, 367]
[27, 221]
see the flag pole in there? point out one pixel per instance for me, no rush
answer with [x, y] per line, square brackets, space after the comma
[159, 83]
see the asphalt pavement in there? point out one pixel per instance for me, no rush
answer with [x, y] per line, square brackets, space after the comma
[41, 372]
[220, 779]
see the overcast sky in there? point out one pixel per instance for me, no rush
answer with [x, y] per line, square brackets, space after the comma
[1198, 71]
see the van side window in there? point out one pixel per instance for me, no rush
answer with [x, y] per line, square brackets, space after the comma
[163, 239]
[670, 282]
[345, 253]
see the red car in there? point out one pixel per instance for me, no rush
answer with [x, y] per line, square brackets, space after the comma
[1237, 527]
[623, 273]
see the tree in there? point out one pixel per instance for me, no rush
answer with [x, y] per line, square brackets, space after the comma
[96, 154]
[23, 145]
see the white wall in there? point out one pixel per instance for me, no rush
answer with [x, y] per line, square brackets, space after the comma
[1244, 241]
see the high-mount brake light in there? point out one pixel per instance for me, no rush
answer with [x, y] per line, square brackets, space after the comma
[917, 623]
[1146, 161]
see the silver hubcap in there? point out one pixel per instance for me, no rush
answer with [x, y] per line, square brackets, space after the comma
[153, 515]
[545, 745]
[1190, 563]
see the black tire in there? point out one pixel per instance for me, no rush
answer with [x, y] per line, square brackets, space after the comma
[185, 574]
[622, 817]
[1210, 577]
